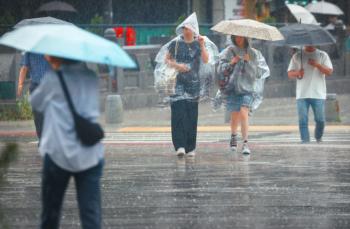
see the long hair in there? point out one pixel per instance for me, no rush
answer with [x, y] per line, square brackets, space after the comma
[246, 43]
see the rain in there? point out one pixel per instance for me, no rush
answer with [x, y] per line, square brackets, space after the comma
[174, 114]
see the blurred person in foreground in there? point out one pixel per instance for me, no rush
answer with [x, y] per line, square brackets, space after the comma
[64, 155]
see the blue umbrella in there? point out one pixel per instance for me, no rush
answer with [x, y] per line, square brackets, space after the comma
[67, 41]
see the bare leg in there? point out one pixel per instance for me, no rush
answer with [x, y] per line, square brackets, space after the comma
[235, 120]
[244, 122]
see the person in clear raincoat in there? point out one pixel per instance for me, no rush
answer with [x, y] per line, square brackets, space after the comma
[242, 71]
[180, 65]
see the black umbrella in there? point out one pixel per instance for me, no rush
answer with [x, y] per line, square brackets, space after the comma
[40, 20]
[57, 6]
[304, 35]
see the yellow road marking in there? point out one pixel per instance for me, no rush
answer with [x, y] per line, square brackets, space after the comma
[287, 128]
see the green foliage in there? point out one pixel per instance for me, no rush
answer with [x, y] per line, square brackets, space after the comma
[95, 21]
[24, 109]
[270, 20]
[6, 19]
[20, 111]
[179, 21]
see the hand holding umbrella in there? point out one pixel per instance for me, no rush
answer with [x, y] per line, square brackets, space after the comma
[235, 60]
[304, 35]
[301, 74]
[246, 57]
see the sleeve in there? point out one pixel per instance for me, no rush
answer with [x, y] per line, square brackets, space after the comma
[326, 61]
[251, 67]
[42, 94]
[25, 60]
[225, 67]
[293, 64]
[263, 70]
[171, 48]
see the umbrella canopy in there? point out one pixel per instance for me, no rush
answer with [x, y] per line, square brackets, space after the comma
[67, 41]
[301, 14]
[324, 8]
[305, 34]
[56, 6]
[248, 28]
[40, 20]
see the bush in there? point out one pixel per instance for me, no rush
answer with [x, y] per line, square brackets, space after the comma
[20, 111]
[95, 21]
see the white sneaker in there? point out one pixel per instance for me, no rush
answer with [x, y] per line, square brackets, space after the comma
[245, 149]
[191, 154]
[180, 152]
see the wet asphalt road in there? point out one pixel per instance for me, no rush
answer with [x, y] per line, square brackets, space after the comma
[283, 184]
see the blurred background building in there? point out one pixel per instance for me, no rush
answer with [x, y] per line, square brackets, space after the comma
[143, 25]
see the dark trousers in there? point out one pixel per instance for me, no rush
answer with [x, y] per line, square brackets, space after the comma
[184, 120]
[38, 117]
[54, 184]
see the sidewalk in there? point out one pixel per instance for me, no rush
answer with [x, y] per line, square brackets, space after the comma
[276, 114]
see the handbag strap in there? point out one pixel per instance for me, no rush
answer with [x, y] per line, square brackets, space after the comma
[66, 93]
[235, 54]
[176, 48]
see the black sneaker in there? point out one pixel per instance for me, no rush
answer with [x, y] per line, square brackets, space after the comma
[233, 142]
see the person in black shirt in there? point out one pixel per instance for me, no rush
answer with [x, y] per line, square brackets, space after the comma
[185, 54]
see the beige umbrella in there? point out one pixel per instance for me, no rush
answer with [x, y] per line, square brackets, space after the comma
[248, 28]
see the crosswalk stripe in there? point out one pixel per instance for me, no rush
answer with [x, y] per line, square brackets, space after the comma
[267, 137]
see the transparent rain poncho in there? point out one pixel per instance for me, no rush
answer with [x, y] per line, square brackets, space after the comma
[245, 77]
[173, 85]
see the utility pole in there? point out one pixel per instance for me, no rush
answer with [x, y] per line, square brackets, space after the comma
[108, 12]
[189, 4]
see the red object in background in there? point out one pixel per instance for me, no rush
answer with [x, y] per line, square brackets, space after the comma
[130, 36]
[119, 32]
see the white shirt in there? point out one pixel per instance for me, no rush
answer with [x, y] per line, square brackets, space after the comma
[59, 138]
[313, 84]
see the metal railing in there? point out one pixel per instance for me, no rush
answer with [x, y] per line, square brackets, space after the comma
[144, 32]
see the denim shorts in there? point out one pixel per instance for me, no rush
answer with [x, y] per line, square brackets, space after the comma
[235, 102]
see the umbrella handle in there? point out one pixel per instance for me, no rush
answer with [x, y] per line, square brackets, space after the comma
[301, 56]
[301, 61]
